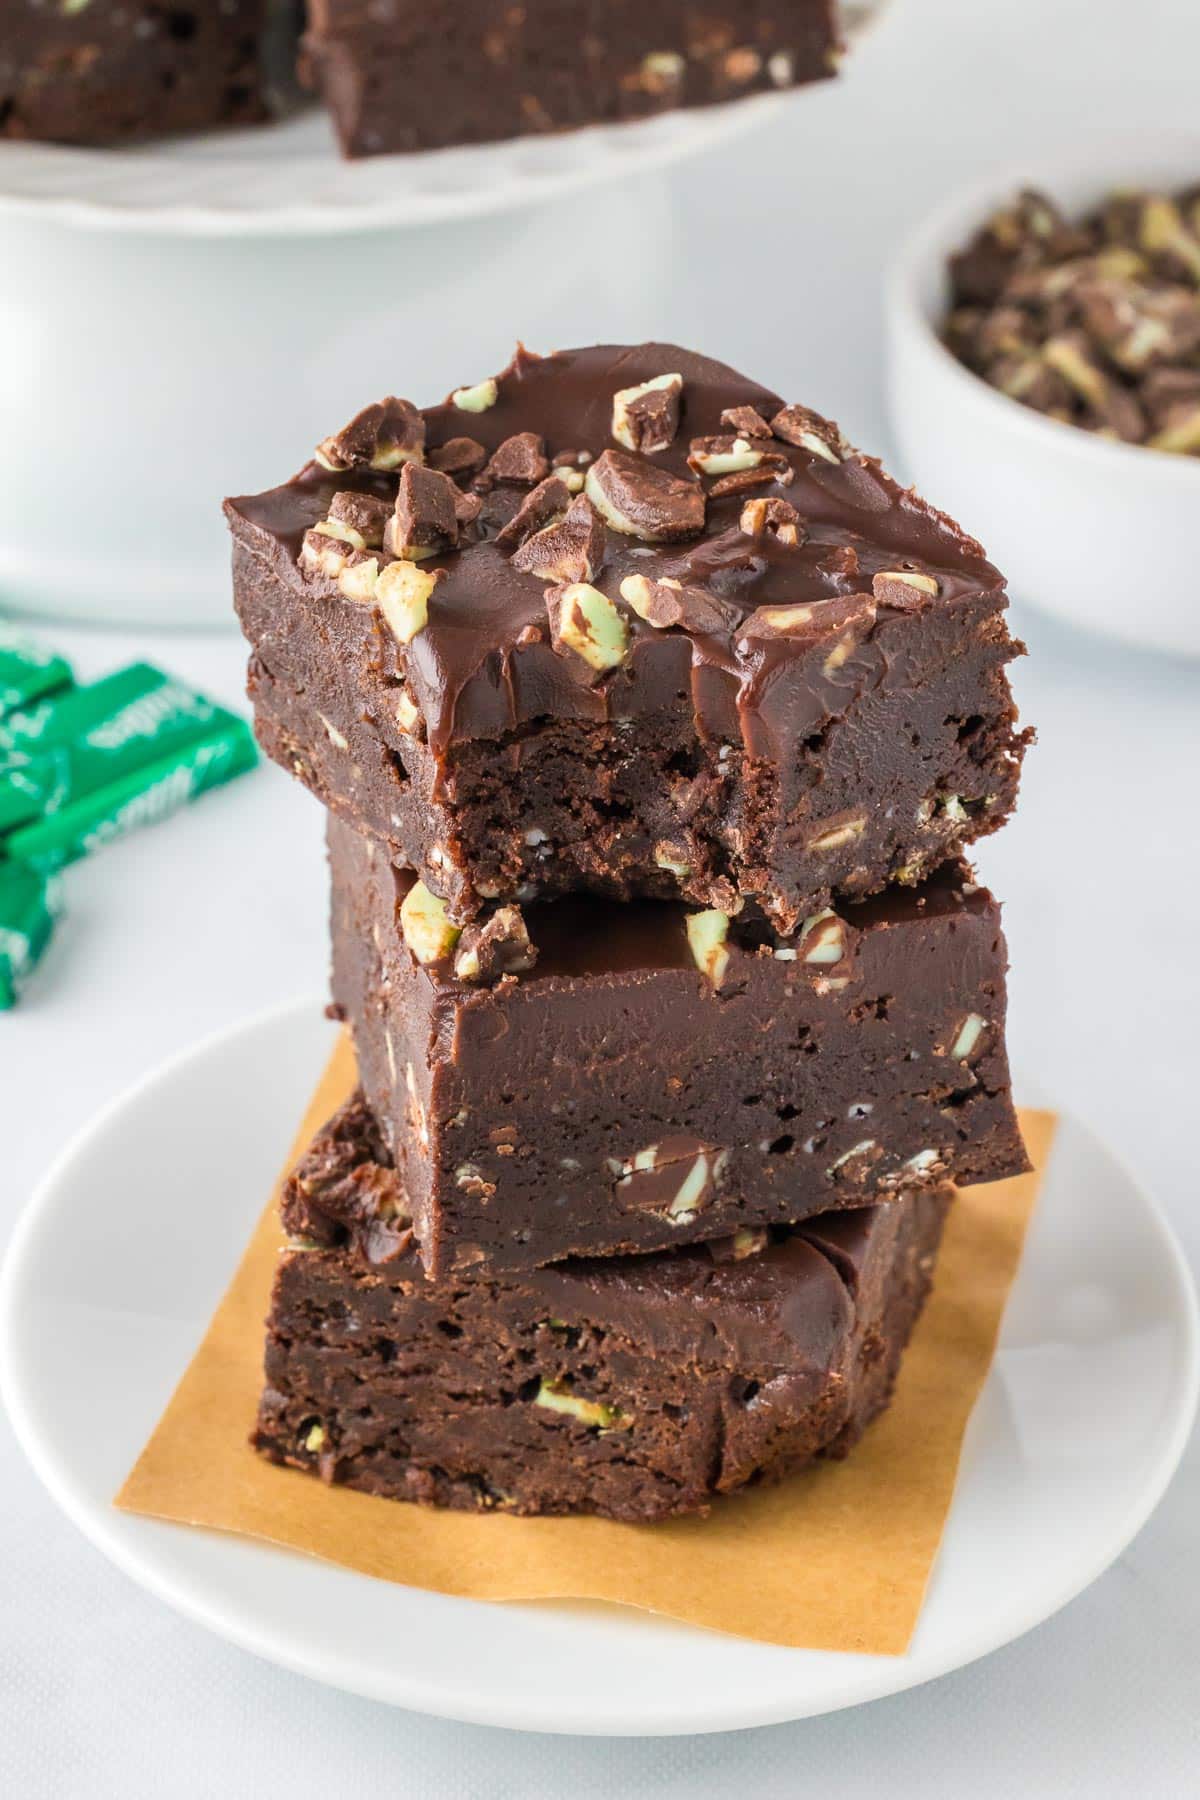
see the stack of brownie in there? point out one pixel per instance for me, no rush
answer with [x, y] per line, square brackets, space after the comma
[652, 721]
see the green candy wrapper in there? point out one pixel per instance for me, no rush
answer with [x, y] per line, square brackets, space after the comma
[68, 749]
[29, 905]
[69, 717]
[217, 751]
[27, 671]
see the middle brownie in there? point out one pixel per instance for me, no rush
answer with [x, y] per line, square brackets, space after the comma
[659, 1077]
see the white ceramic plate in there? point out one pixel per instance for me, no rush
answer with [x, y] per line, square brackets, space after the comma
[126, 1248]
[289, 178]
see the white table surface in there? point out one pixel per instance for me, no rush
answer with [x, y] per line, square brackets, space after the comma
[219, 913]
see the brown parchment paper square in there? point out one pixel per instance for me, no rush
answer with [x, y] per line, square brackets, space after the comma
[837, 1558]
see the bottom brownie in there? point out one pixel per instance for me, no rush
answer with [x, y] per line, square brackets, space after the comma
[633, 1387]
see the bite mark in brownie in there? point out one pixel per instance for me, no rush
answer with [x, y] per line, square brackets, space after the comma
[632, 1388]
[781, 681]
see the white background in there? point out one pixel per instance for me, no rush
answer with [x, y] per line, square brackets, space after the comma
[220, 913]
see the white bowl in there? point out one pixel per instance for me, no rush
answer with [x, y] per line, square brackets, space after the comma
[1103, 534]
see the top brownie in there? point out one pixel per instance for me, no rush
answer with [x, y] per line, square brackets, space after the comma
[622, 620]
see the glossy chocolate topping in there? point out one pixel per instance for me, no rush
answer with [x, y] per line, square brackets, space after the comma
[484, 664]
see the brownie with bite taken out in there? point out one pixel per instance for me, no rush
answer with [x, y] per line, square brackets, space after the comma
[622, 621]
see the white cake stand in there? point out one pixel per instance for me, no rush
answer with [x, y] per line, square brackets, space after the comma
[288, 179]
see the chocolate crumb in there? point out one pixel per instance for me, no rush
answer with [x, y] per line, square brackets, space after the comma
[499, 945]
[548, 501]
[744, 421]
[570, 549]
[520, 458]
[381, 436]
[641, 500]
[458, 456]
[426, 512]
